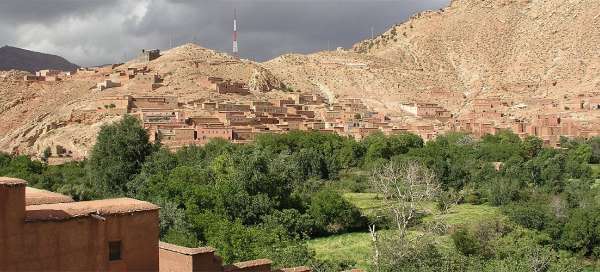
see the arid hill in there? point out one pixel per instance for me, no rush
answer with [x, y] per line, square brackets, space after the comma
[26, 60]
[37, 115]
[519, 50]
[515, 49]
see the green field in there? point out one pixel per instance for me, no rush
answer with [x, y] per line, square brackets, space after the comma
[357, 246]
[366, 202]
[595, 169]
[466, 214]
[350, 246]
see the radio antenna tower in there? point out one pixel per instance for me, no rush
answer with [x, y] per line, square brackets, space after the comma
[235, 43]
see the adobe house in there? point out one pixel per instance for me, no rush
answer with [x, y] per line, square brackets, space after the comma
[283, 102]
[336, 107]
[48, 73]
[331, 115]
[107, 84]
[162, 130]
[146, 82]
[293, 108]
[148, 55]
[594, 104]
[40, 230]
[32, 78]
[155, 102]
[244, 134]
[396, 131]
[51, 78]
[353, 104]
[85, 71]
[206, 133]
[177, 135]
[209, 83]
[116, 105]
[574, 104]
[255, 103]
[229, 87]
[306, 113]
[487, 104]
[232, 107]
[210, 106]
[46, 231]
[161, 116]
[270, 109]
[203, 121]
[266, 120]
[364, 132]
[122, 76]
[233, 118]
[306, 99]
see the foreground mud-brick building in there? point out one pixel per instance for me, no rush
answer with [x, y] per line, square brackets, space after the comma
[46, 231]
[56, 234]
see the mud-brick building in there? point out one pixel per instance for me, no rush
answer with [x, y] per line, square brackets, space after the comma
[148, 55]
[46, 231]
[42, 231]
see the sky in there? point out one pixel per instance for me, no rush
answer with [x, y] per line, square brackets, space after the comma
[94, 32]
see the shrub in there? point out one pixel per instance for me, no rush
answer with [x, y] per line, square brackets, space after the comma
[531, 214]
[465, 242]
[502, 191]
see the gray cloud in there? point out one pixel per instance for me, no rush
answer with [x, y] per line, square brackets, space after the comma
[100, 31]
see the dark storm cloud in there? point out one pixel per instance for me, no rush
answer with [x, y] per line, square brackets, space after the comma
[32, 11]
[96, 32]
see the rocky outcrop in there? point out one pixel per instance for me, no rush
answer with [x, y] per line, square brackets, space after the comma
[263, 81]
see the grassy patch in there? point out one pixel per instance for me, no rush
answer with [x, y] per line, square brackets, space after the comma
[467, 214]
[357, 246]
[349, 246]
[595, 169]
[366, 202]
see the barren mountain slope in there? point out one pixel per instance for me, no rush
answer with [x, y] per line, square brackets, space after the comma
[516, 49]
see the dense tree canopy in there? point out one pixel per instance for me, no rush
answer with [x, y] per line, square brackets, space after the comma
[264, 199]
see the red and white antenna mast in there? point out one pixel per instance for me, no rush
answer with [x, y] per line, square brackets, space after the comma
[235, 43]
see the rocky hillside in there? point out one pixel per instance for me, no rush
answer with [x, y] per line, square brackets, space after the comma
[37, 115]
[510, 48]
[516, 49]
[25, 60]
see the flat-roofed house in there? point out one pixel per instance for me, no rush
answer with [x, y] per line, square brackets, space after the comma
[46, 231]
[43, 231]
[154, 102]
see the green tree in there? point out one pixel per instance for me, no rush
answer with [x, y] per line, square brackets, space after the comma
[332, 213]
[46, 154]
[532, 146]
[581, 232]
[118, 155]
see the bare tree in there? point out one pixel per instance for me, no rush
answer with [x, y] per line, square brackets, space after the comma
[539, 259]
[404, 187]
[375, 246]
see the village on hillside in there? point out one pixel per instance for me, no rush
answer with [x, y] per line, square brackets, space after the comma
[231, 115]
[459, 135]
